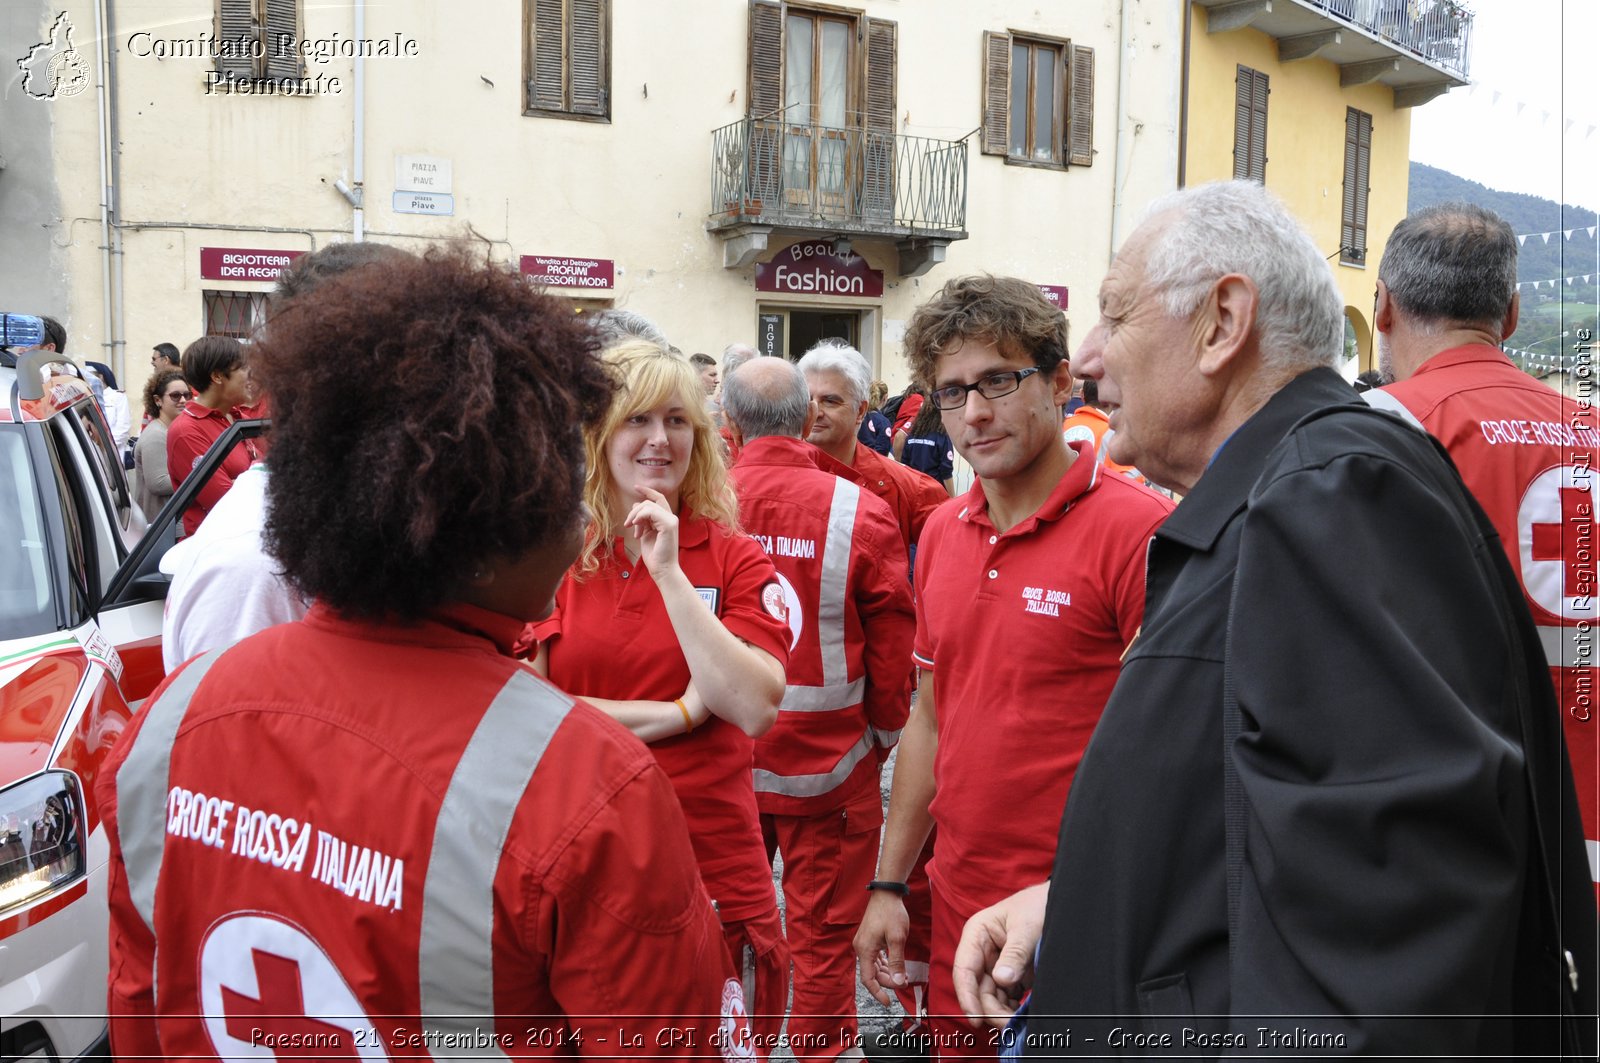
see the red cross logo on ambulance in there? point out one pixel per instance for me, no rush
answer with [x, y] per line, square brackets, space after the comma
[1555, 541]
[269, 991]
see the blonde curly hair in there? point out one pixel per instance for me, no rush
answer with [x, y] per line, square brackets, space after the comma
[647, 375]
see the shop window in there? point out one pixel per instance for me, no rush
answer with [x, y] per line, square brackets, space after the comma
[235, 314]
[259, 39]
[567, 57]
[1038, 99]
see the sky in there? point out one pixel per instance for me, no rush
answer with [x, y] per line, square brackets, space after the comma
[1531, 120]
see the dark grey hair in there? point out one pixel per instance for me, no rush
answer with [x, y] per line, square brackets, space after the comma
[1453, 264]
[1239, 227]
[767, 397]
[616, 325]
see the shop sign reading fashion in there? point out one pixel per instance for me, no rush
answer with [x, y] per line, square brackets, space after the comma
[569, 272]
[244, 263]
[811, 268]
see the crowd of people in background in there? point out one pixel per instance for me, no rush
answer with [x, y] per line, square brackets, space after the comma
[1223, 713]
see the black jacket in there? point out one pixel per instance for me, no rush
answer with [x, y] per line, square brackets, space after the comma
[1334, 569]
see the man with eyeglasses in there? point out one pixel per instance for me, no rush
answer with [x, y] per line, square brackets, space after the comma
[1029, 589]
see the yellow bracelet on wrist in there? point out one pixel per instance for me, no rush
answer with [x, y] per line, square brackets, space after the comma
[688, 721]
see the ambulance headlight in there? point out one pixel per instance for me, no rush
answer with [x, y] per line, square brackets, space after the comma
[41, 838]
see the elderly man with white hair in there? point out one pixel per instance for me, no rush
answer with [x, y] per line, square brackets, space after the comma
[1328, 806]
[841, 382]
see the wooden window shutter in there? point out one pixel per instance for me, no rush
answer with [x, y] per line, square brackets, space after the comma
[587, 57]
[878, 119]
[1363, 169]
[996, 136]
[1250, 125]
[766, 59]
[236, 27]
[547, 88]
[1080, 130]
[1258, 128]
[1347, 209]
[282, 34]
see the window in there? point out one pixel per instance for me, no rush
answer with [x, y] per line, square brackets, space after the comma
[1357, 162]
[1250, 126]
[1038, 99]
[568, 58]
[822, 104]
[235, 314]
[259, 39]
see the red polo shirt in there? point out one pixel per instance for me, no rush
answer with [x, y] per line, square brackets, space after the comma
[610, 637]
[188, 438]
[1024, 631]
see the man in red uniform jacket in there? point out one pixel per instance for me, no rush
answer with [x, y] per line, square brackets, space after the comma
[842, 566]
[1446, 299]
[841, 385]
[840, 382]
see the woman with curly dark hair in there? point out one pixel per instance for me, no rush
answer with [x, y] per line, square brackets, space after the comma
[678, 621]
[166, 393]
[379, 810]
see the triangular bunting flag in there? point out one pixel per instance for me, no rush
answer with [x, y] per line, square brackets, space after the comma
[1568, 127]
[1522, 240]
[1546, 237]
[1568, 233]
[1588, 132]
[1494, 97]
[1544, 118]
[1591, 232]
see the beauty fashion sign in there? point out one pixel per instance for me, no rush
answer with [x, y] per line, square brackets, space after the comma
[811, 268]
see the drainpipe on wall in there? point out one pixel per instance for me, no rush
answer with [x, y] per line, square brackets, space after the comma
[119, 336]
[107, 341]
[1124, 125]
[356, 191]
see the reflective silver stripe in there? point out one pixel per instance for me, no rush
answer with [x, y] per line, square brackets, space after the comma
[1559, 648]
[1594, 859]
[1379, 399]
[813, 785]
[835, 578]
[884, 739]
[822, 699]
[455, 961]
[142, 784]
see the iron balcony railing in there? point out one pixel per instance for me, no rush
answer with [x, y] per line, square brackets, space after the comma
[770, 171]
[1440, 31]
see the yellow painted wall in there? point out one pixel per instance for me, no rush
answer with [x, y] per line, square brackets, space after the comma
[1305, 148]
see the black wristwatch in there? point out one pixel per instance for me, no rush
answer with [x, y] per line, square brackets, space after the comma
[890, 887]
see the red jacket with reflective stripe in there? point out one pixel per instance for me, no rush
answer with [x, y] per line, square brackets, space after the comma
[1527, 453]
[362, 823]
[840, 559]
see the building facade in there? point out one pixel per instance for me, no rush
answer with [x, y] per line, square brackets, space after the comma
[1314, 98]
[735, 170]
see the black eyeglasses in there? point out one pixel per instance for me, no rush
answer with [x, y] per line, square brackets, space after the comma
[993, 386]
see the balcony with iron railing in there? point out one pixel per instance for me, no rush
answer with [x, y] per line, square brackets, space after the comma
[1420, 48]
[771, 175]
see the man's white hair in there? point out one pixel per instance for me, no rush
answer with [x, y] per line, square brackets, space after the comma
[1239, 227]
[836, 356]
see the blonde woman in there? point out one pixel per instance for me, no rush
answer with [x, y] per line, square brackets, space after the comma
[674, 623]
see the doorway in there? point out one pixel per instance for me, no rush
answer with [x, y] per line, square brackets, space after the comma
[808, 327]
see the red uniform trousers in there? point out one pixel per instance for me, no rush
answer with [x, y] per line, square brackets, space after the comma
[761, 963]
[947, 1025]
[828, 859]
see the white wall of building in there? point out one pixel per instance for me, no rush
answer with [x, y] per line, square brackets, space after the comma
[199, 169]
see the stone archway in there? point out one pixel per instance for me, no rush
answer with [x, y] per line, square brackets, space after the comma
[1358, 333]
